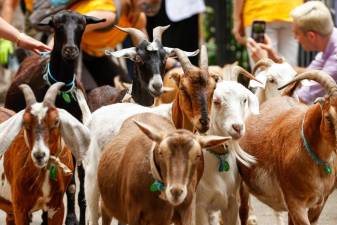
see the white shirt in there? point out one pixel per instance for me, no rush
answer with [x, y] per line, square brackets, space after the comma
[181, 9]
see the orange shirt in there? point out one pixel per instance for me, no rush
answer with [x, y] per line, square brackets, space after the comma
[268, 10]
[29, 5]
[94, 42]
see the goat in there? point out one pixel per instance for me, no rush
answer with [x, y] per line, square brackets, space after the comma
[155, 172]
[150, 60]
[37, 164]
[219, 186]
[271, 77]
[228, 72]
[189, 110]
[295, 148]
[40, 73]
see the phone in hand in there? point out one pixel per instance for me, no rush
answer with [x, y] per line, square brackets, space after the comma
[258, 30]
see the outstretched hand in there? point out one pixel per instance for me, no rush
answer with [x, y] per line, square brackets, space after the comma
[262, 50]
[27, 42]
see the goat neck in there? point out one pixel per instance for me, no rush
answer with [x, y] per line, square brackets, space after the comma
[179, 118]
[63, 70]
[319, 128]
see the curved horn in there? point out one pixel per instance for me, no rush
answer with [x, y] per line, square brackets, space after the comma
[183, 59]
[262, 62]
[237, 70]
[50, 96]
[135, 33]
[203, 58]
[28, 93]
[158, 31]
[324, 79]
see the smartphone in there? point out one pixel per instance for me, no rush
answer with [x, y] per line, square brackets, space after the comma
[258, 30]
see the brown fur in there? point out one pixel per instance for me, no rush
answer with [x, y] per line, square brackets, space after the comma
[273, 137]
[125, 187]
[26, 179]
[193, 101]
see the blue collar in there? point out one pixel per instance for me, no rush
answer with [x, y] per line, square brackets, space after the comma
[312, 153]
[51, 80]
[223, 162]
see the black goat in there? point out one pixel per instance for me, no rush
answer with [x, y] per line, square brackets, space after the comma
[150, 59]
[39, 73]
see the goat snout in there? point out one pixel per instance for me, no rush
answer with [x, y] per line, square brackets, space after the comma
[176, 194]
[40, 159]
[70, 52]
[157, 86]
[39, 155]
[204, 125]
[238, 130]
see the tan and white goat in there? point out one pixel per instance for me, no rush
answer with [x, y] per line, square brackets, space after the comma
[149, 172]
[37, 164]
[295, 148]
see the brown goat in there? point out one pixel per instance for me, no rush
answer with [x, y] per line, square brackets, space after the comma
[37, 165]
[147, 149]
[295, 148]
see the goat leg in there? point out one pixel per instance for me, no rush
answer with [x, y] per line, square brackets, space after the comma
[81, 194]
[71, 215]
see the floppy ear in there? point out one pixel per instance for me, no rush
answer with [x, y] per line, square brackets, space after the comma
[210, 141]
[75, 135]
[9, 129]
[129, 53]
[253, 103]
[93, 20]
[46, 22]
[152, 133]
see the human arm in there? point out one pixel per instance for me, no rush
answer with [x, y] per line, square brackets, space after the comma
[22, 40]
[262, 50]
[238, 29]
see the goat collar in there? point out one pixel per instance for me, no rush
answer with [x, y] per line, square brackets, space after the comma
[223, 162]
[50, 79]
[312, 153]
[158, 184]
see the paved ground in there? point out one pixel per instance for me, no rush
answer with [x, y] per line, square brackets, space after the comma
[264, 214]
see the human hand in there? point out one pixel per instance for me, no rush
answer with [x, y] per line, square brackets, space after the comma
[27, 42]
[238, 32]
[6, 49]
[255, 50]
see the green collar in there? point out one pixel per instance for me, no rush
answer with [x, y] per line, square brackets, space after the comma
[312, 152]
[223, 162]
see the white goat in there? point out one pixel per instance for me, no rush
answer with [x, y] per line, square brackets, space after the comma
[219, 186]
[272, 76]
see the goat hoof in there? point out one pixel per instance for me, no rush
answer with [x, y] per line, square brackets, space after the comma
[71, 220]
[252, 220]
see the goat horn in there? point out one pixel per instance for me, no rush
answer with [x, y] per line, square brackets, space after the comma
[183, 59]
[28, 93]
[321, 77]
[158, 32]
[135, 33]
[237, 70]
[50, 96]
[203, 58]
[263, 62]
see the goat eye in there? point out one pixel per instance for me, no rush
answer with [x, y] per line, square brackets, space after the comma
[272, 80]
[244, 100]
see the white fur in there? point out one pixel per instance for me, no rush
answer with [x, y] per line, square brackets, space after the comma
[156, 79]
[39, 111]
[40, 147]
[5, 188]
[272, 78]
[86, 114]
[219, 190]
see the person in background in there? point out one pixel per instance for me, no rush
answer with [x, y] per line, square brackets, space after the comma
[314, 29]
[10, 33]
[183, 18]
[278, 24]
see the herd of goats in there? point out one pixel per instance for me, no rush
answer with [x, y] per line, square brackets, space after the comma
[203, 148]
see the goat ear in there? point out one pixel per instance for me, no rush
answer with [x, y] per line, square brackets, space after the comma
[75, 135]
[175, 77]
[9, 129]
[48, 21]
[124, 53]
[152, 133]
[210, 141]
[253, 103]
[93, 20]
[172, 53]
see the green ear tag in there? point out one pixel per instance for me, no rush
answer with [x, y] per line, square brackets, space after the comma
[66, 97]
[53, 172]
[156, 186]
[328, 169]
